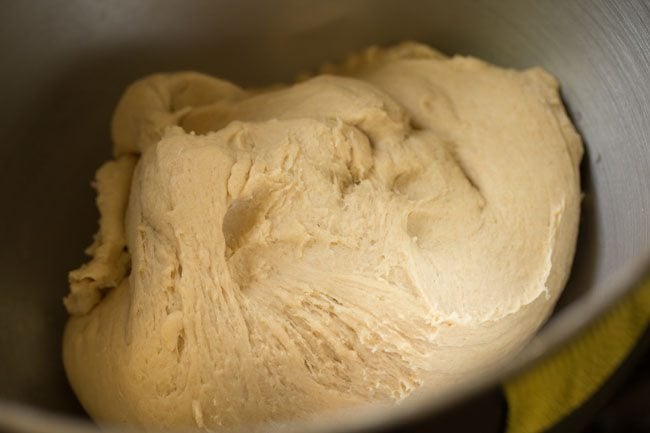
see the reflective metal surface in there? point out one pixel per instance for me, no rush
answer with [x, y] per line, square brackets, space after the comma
[64, 64]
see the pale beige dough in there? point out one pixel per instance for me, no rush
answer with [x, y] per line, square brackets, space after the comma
[405, 221]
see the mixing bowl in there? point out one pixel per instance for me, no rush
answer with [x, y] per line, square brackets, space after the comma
[64, 65]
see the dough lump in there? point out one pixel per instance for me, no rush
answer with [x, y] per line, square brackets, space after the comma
[400, 221]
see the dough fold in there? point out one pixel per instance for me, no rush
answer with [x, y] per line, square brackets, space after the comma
[400, 221]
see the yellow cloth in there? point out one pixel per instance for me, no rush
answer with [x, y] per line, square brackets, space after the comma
[541, 397]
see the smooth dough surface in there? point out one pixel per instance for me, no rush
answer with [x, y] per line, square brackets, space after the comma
[402, 220]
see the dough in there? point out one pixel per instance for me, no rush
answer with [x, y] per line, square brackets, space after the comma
[401, 221]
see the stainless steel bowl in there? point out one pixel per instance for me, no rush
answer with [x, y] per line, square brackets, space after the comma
[64, 65]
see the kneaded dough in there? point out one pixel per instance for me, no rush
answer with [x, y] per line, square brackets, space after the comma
[402, 220]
